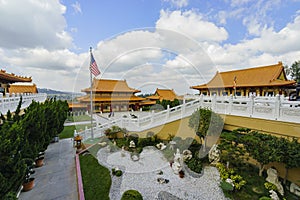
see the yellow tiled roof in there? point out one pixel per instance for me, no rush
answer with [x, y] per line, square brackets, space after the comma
[77, 105]
[106, 85]
[22, 89]
[110, 99]
[12, 78]
[272, 75]
[165, 94]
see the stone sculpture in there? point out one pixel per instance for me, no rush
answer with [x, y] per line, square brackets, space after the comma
[187, 155]
[178, 162]
[131, 144]
[273, 178]
[295, 189]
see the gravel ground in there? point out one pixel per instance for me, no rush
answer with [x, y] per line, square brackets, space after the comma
[142, 176]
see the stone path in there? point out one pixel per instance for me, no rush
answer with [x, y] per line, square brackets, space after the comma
[142, 176]
[57, 178]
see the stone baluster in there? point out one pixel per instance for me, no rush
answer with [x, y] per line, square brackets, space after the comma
[213, 103]
[251, 105]
[230, 101]
[277, 107]
[168, 112]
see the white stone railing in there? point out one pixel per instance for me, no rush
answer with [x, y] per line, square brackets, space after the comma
[11, 102]
[273, 108]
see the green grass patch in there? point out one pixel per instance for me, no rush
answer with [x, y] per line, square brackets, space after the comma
[68, 131]
[79, 118]
[96, 178]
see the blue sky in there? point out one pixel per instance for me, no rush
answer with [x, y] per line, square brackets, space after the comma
[151, 43]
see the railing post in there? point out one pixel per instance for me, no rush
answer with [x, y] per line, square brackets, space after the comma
[152, 116]
[213, 103]
[277, 107]
[183, 109]
[201, 100]
[168, 112]
[230, 100]
[251, 105]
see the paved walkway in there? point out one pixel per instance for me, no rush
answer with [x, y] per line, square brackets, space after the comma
[57, 178]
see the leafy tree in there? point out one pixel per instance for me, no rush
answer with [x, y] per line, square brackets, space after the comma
[262, 147]
[12, 165]
[206, 122]
[289, 153]
[231, 149]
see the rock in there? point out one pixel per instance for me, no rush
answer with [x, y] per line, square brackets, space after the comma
[274, 195]
[295, 189]
[163, 195]
[187, 155]
[273, 178]
[131, 144]
[214, 154]
[102, 144]
[161, 146]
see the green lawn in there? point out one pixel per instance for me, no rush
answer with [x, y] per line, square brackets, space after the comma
[96, 178]
[68, 131]
[79, 118]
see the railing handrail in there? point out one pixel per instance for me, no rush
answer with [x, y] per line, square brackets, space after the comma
[11, 101]
[274, 108]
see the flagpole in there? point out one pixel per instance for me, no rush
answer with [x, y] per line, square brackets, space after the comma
[91, 96]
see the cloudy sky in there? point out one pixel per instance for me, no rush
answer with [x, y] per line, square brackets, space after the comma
[151, 43]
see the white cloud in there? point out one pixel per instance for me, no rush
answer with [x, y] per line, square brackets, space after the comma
[191, 24]
[33, 23]
[77, 8]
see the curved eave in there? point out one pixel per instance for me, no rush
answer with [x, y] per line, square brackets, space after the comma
[271, 84]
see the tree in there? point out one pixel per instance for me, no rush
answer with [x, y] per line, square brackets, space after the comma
[294, 71]
[206, 122]
[261, 147]
[289, 153]
[231, 149]
[12, 164]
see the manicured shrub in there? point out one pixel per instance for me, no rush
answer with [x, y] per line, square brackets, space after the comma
[226, 186]
[132, 195]
[195, 164]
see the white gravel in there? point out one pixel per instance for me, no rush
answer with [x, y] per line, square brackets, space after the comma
[142, 176]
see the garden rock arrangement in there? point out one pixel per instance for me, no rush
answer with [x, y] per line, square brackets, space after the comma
[143, 176]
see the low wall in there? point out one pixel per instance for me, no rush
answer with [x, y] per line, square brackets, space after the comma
[277, 128]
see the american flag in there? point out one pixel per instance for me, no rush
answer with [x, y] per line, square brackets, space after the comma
[93, 66]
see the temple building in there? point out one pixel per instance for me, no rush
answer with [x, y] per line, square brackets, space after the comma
[110, 96]
[263, 81]
[161, 94]
[7, 80]
[23, 88]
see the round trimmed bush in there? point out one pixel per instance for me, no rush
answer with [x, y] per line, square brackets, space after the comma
[132, 195]
[119, 173]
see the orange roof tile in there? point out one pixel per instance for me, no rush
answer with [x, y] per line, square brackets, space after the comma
[105, 85]
[13, 88]
[164, 94]
[12, 78]
[77, 105]
[110, 99]
[272, 75]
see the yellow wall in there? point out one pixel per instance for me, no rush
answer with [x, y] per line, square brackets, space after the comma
[276, 128]
[181, 129]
